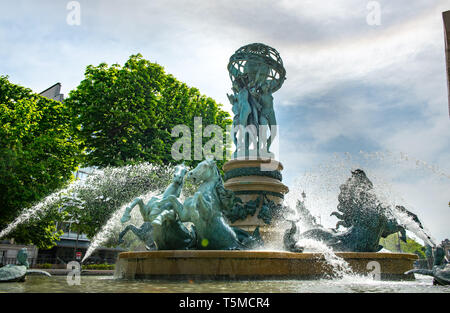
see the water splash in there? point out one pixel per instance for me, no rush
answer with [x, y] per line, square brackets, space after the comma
[35, 210]
[322, 182]
[340, 267]
[104, 234]
[389, 198]
[408, 222]
[108, 189]
[402, 157]
[113, 226]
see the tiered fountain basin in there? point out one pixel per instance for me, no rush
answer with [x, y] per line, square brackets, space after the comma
[253, 265]
[251, 178]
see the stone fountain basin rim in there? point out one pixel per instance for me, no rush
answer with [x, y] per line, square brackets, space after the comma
[249, 254]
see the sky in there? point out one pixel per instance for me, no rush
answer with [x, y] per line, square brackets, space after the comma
[357, 94]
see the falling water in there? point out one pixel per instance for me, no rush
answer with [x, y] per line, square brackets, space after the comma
[390, 198]
[322, 189]
[104, 234]
[407, 221]
[402, 157]
[111, 226]
[35, 210]
[340, 267]
[321, 185]
[113, 187]
[45, 204]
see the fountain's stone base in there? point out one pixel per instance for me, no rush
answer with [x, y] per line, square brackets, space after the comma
[253, 265]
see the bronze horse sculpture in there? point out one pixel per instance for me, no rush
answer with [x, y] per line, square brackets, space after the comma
[365, 218]
[162, 229]
[205, 211]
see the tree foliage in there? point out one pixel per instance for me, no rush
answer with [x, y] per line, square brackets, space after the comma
[92, 203]
[411, 246]
[38, 154]
[118, 115]
[125, 114]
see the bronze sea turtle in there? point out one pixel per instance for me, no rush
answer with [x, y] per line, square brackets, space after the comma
[17, 273]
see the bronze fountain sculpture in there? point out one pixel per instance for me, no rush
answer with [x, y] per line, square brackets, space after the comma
[230, 217]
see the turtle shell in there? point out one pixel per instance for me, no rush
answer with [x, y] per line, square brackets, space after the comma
[12, 273]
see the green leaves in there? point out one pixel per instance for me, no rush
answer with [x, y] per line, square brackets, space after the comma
[91, 204]
[125, 114]
[393, 243]
[38, 153]
[118, 115]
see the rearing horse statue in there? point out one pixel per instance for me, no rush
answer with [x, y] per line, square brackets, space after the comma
[205, 208]
[367, 220]
[161, 223]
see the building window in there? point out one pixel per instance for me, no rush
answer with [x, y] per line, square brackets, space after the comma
[64, 226]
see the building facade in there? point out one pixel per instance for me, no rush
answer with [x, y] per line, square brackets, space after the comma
[9, 250]
[53, 92]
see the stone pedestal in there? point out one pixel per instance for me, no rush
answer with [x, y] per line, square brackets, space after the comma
[252, 179]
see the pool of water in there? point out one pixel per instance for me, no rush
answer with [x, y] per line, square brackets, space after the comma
[59, 284]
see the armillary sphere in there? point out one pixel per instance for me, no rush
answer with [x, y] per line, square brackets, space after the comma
[256, 65]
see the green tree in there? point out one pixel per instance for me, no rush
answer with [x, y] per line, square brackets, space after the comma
[125, 114]
[411, 246]
[91, 204]
[38, 154]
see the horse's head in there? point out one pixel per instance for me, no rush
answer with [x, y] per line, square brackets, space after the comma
[179, 173]
[204, 172]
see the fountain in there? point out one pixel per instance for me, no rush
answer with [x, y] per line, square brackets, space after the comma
[234, 222]
[239, 226]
